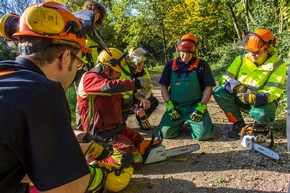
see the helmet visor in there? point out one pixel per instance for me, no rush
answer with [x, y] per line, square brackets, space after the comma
[137, 55]
[186, 46]
[252, 42]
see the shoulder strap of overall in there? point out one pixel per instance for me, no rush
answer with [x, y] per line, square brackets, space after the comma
[190, 68]
[174, 65]
[194, 65]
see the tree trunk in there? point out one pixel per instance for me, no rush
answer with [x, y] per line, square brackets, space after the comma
[249, 14]
[164, 43]
[238, 31]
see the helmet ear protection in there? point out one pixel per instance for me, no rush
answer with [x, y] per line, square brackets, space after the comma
[48, 20]
[9, 25]
[254, 42]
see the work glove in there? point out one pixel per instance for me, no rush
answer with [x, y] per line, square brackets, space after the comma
[99, 152]
[198, 113]
[143, 94]
[247, 98]
[241, 88]
[144, 123]
[99, 148]
[98, 178]
[143, 83]
[253, 99]
[172, 111]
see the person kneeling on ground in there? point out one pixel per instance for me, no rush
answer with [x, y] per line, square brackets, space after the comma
[100, 103]
[190, 81]
[135, 69]
[253, 83]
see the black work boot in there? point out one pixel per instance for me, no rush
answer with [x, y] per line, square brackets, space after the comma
[236, 129]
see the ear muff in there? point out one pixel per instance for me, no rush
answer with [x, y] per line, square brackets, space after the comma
[44, 20]
[273, 43]
[100, 68]
[9, 24]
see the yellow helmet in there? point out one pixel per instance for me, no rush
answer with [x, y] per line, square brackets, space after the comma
[116, 183]
[116, 61]
[54, 21]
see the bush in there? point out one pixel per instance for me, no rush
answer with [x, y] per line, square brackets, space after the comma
[72, 101]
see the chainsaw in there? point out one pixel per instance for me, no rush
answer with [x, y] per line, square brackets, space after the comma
[258, 137]
[157, 152]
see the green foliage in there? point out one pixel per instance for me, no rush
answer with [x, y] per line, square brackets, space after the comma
[157, 69]
[72, 101]
[225, 54]
[6, 52]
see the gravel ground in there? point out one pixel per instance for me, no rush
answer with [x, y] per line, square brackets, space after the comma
[221, 165]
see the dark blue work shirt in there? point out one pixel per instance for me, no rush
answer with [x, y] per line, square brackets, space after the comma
[36, 137]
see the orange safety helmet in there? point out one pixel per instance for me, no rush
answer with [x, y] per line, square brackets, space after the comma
[52, 20]
[187, 43]
[258, 40]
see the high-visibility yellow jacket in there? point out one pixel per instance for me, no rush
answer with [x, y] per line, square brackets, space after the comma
[268, 78]
[90, 58]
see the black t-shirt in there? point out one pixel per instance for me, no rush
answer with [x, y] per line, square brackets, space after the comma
[36, 137]
[203, 72]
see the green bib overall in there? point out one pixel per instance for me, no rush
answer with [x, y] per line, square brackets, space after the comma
[185, 93]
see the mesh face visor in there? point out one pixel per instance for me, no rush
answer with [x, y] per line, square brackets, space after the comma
[252, 42]
[137, 55]
[186, 46]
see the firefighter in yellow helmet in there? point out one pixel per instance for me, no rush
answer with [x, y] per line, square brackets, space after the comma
[145, 107]
[253, 83]
[186, 86]
[36, 135]
[100, 102]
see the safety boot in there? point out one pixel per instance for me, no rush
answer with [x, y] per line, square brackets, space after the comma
[236, 129]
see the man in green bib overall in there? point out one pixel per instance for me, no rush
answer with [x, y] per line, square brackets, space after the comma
[186, 87]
